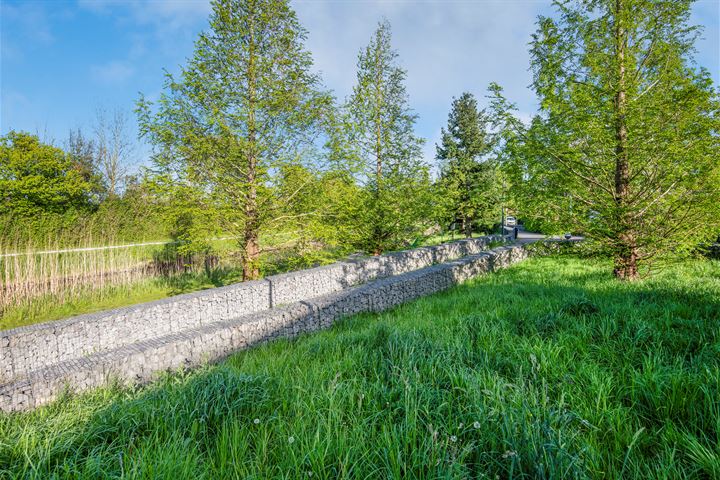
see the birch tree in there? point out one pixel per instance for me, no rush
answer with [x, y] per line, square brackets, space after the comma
[113, 149]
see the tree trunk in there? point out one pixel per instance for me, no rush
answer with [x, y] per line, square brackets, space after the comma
[251, 267]
[466, 218]
[378, 227]
[378, 218]
[626, 252]
[467, 226]
[251, 253]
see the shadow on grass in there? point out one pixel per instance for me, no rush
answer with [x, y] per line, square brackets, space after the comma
[192, 281]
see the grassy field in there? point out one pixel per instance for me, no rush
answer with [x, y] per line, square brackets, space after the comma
[550, 369]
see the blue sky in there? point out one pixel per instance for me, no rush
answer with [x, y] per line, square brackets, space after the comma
[61, 60]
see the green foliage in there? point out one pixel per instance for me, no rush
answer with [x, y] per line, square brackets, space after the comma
[39, 182]
[82, 153]
[137, 214]
[626, 146]
[383, 152]
[547, 370]
[53, 198]
[245, 106]
[468, 185]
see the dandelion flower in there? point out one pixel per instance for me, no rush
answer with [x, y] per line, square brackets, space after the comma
[476, 425]
[256, 421]
[453, 439]
[291, 439]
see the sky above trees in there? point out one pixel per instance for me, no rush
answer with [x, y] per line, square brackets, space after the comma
[61, 60]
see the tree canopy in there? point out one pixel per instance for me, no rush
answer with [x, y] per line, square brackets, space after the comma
[625, 147]
[246, 104]
[468, 183]
[386, 154]
[37, 178]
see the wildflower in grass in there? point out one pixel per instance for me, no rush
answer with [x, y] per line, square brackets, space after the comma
[291, 439]
[461, 426]
[476, 425]
[256, 421]
[453, 439]
[508, 454]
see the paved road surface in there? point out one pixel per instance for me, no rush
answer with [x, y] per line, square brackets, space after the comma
[529, 237]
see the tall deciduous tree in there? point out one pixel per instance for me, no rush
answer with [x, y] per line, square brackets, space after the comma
[387, 152]
[243, 106]
[626, 148]
[467, 179]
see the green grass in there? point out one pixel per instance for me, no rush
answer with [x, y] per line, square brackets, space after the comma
[550, 369]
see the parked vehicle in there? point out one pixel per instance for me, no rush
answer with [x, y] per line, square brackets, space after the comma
[510, 221]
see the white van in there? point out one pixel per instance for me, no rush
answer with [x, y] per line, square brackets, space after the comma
[510, 221]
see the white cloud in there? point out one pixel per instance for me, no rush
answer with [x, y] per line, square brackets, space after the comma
[158, 26]
[30, 19]
[447, 47]
[114, 72]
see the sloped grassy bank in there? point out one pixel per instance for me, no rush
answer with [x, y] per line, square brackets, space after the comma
[549, 369]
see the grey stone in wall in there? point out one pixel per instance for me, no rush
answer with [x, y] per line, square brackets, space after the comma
[36, 346]
[208, 326]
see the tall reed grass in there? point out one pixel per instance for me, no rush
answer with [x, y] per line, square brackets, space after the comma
[32, 279]
[28, 275]
[40, 283]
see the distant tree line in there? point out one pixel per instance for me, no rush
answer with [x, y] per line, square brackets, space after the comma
[248, 142]
[83, 187]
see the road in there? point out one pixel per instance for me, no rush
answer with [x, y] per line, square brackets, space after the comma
[528, 237]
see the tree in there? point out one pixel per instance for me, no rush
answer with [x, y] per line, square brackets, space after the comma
[245, 105]
[626, 146]
[467, 178]
[82, 153]
[113, 149]
[38, 179]
[386, 152]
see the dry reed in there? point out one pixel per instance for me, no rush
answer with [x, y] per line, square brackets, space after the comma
[27, 274]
